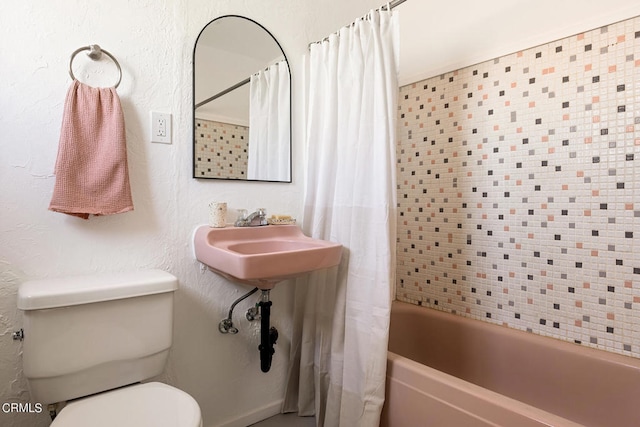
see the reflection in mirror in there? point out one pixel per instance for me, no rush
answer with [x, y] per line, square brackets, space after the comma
[242, 103]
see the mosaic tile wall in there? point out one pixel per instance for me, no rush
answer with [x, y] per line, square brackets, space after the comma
[519, 190]
[221, 150]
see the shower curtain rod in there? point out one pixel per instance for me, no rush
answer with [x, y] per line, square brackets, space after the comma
[391, 5]
[224, 92]
[234, 87]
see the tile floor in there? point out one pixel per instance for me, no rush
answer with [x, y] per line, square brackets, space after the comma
[286, 420]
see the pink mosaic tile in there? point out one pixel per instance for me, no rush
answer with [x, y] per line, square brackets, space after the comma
[221, 150]
[518, 190]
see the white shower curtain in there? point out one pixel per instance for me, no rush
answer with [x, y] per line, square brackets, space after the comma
[339, 343]
[269, 136]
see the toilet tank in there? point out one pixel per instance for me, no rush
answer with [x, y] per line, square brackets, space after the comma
[87, 334]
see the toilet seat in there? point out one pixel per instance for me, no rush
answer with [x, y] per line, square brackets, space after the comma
[142, 405]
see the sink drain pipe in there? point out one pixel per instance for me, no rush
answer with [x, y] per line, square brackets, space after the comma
[268, 334]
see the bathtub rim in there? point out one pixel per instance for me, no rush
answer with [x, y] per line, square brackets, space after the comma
[415, 375]
[520, 334]
[414, 314]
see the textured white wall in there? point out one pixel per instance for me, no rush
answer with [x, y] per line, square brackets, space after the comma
[153, 41]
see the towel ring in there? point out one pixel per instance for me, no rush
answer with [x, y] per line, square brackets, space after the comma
[95, 53]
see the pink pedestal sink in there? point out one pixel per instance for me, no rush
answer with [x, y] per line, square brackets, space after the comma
[263, 256]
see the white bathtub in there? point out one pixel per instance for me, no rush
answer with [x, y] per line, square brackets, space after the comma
[447, 370]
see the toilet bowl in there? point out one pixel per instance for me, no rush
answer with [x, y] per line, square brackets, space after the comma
[143, 405]
[92, 341]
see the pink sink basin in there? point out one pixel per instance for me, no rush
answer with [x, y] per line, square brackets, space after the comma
[263, 256]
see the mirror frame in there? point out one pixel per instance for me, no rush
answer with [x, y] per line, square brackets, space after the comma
[193, 68]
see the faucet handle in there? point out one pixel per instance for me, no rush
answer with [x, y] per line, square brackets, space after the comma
[262, 213]
[242, 214]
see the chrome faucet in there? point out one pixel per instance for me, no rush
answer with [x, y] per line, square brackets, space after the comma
[255, 219]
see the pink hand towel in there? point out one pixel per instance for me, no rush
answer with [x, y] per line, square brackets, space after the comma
[91, 170]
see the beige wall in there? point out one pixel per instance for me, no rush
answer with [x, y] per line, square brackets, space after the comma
[437, 37]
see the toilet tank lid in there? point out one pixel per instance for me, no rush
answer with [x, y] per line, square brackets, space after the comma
[68, 291]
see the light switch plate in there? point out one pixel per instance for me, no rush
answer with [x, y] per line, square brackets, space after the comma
[161, 127]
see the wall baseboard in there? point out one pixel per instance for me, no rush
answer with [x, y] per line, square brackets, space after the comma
[254, 416]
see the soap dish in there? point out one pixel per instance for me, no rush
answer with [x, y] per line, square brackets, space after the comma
[281, 221]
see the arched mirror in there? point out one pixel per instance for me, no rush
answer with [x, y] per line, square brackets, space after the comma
[242, 103]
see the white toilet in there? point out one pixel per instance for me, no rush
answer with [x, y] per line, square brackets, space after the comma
[90, 340]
